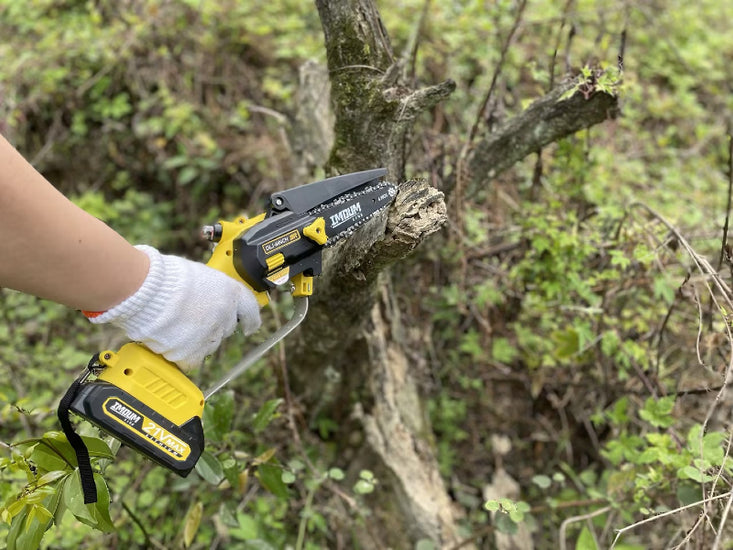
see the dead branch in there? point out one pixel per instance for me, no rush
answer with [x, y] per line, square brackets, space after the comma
[545, 121]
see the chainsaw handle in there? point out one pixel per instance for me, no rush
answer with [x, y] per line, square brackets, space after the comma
[223, 254]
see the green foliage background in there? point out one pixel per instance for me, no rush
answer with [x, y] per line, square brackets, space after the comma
[560, 312]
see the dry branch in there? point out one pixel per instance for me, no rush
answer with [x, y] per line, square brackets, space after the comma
[545, 121]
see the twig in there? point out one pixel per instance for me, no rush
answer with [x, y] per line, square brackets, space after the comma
[667, 514]
[662, 328]
[137, 522]
[569, 504]
[700, 391]
[724, 245]
[574, 519]
[415, 40]
[497, 72]
[689, 533]
[348, 67]
[281, 118]
[723, 519]
[462, 163]
[553, 60]
[710, 274]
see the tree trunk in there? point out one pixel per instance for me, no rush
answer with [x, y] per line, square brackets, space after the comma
[349, 361]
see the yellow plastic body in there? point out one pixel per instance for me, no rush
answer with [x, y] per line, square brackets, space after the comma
[221, 258]
[302, 285]
[273, 262]
[316, 231]
[153, 380]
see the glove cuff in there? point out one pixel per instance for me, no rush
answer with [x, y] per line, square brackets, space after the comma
[150, 292]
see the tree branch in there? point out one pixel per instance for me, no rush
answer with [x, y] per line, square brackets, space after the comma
[545, 121]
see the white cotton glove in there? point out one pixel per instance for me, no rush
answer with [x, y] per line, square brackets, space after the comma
[184, 309]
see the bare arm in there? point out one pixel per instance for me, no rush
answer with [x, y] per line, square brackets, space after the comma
[53, 249]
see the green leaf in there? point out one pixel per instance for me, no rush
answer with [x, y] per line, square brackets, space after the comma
[100, 509]
[586, 541]
[247, 528]
[16, 527]
[664, 290]
[55, 503]
[95, 514]
[363, 487]
[619, 415]
[54, 452]
[51, 459]
[336, 474]
[503, 351]
[492, 505]
[50, 477]
[688, 493]
[367, 475]
[619, 259]
[567, 343]
[507, 504]
[31, 525]
[39, 513]
[97, 447]
[658, 412]
[187, 175]
[265, 414]
[542, 481]
[37, 495]
[16, 507]
[218, 416]
[504, 524]
[231, 471]
[270, 475]
[209, 468]
[287, 477]
[191, 523]
[74, 499]
[695, 474]
[471, 344]
[517, 516]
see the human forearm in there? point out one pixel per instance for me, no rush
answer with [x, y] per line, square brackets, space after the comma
[51, 248]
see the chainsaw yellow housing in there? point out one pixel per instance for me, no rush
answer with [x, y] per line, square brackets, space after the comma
[153, 380]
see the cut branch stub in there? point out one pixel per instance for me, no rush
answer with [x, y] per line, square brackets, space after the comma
[345, 292]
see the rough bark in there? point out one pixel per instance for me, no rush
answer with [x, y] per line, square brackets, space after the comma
[312, 131]
[545, 121]
[349, 361]
[374, 110]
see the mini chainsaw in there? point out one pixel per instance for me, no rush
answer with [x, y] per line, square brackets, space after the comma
[145, 401]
